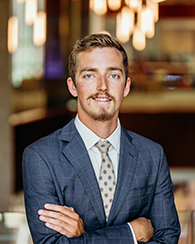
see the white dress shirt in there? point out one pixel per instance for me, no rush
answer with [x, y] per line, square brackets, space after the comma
[90, 138]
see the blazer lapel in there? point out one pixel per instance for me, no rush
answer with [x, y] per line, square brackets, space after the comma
[126, 169]
[77, 155]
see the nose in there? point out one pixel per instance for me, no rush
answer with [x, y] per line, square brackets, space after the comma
[102, 83]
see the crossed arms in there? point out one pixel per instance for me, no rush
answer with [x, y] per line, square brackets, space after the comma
[67, 222]
[54, 223]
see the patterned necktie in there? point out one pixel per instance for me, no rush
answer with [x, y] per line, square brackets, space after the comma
[106, 177]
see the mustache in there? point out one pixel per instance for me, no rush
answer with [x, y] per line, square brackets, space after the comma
[102, 94]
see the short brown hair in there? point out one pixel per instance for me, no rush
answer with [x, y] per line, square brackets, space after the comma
[88, 43]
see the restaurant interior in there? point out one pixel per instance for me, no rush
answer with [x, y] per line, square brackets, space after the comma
[36, 38]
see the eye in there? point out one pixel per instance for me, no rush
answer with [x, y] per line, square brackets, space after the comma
[88, 76]
[114, 76]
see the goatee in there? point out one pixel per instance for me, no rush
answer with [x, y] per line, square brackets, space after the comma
[102, 114]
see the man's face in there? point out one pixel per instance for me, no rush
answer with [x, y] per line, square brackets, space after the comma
[100, 84]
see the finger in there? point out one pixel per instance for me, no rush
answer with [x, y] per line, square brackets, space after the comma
[45, 215]
[68, 233]
[70, 215]
[57, 228]
[69, 211]
[53, 221]
[67, 226]
[71, 208]
[71, 219]
[55, 207]
[60, 229]
[62, 219]
[62, 209]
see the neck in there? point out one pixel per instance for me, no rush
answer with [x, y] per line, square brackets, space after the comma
[103, 129]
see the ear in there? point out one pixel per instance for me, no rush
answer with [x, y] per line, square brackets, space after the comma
[127, 87]
[71, 87]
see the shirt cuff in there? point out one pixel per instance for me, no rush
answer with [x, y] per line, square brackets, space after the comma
[133, 234]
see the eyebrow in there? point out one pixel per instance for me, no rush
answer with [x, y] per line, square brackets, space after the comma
[95, 69]
[115, 68]
[88, 69]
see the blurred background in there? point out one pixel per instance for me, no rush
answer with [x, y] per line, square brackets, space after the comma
[36, 38]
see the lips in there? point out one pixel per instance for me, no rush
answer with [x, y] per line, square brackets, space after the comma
[102, 99]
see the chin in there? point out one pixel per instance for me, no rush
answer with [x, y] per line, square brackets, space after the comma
[102, 115]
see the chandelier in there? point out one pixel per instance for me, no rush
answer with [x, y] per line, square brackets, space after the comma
[136, 18]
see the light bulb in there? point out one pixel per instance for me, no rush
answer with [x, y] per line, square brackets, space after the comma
[154, 7]
[139, 39]
[135, 5]
[12, 34]
[146, 20]
[114, 4]
[39, 30]
[125, 24]
[30, 11]
[98, 6]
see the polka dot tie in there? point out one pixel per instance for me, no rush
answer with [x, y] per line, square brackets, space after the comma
[106, 177]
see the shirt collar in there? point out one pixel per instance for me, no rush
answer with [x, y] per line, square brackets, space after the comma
[90, 138]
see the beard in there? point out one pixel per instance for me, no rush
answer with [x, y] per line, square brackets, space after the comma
[103, 114]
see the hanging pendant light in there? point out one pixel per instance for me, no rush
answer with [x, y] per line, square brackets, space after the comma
[146, 21]
[98, 6]
[12, 34]
[154, 7]
[39, 30]
[114, 4]
[139, 39]
[125, 24]
[135, 5]
[151, 30]
[30, 11]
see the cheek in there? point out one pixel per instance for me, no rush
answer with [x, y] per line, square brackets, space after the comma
[85, 87]
[117, 91]
[83, 94]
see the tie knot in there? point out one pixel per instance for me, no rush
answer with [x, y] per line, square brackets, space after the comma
[103, 146]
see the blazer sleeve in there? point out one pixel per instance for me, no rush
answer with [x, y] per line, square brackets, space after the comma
[163, 213]
[39, 188]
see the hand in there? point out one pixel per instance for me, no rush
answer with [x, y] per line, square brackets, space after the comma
[143, 229]
[62, 219]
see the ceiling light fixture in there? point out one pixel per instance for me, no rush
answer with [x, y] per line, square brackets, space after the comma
[136, 18]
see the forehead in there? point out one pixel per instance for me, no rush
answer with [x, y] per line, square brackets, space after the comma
[100, 56]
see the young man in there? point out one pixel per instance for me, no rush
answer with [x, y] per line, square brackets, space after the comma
[75, 192]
